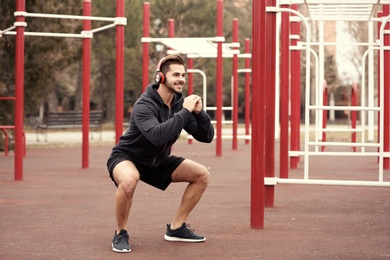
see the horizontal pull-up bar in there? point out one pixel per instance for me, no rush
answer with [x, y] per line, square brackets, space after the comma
[349, 108]
[76, 17]
[276, 180]
[6, 30]
[202, 39]
[347, 154]
[244, 70]
[83, 34]
[45, 34]
[343, 144]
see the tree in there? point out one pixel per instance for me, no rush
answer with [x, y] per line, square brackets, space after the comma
[53, 65]
[47, 59]
[103, 58]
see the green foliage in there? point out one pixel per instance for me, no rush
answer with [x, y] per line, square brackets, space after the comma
[7, 65]
[53, 65]
[47, 59]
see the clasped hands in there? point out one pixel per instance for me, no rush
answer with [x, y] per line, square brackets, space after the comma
[193, 103]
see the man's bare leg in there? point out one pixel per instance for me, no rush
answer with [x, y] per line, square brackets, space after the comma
[126, 176]
[198, 177]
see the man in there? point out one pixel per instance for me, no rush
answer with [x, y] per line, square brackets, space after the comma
[143, 151]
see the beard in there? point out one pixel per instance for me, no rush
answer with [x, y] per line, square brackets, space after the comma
[176, 88]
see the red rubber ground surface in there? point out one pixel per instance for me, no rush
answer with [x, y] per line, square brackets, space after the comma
[60, 211]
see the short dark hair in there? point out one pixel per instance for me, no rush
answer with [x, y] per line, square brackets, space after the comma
[171, 59]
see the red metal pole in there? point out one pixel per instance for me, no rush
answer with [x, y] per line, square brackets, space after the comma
[19, 90]
[120, 68]
[386, 91]
[145, 45]
[324, 113]
[190, 62]
[270, 74]
[353, 115]
[86, 85]
[219, 81]
[295, 91]
[247, 91]
[258, 114]
[171, 28]
[284, 91]
[235, 85]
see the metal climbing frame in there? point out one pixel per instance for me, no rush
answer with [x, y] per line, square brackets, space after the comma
[332, 10]
[18, 29]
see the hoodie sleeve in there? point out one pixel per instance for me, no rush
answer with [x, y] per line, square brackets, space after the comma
[200, 127]
[158, 133]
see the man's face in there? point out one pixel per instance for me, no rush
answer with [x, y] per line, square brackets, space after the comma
[175, 78]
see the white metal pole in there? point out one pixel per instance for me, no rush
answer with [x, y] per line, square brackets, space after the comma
[204, 85]
[371, 95]
[321, 77]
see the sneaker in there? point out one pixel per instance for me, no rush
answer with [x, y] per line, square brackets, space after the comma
[182, 234]
[120, 242]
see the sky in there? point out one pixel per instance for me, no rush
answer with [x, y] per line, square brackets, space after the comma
[346, 68]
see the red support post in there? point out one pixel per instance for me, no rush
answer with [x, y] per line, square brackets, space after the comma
[171, 28]
[270, 74]
[86, 85]
[259, 63]
[324, 112]
[353, 115]
[247, 91]
[145, 46]
[295, 90]
[219, 80]
[235, 85]
[19, 90]
[120, 68]
[284, 91]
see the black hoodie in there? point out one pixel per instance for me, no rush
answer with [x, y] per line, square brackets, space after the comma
[155, 127]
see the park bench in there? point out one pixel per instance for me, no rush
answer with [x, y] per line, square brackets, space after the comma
[69, 120]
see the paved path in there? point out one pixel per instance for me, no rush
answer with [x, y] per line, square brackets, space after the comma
[60, 211]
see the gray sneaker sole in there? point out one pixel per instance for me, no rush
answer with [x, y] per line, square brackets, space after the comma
[120, 251]
[179, 239]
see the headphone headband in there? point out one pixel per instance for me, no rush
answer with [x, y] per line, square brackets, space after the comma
[159, 64]
[160, 77]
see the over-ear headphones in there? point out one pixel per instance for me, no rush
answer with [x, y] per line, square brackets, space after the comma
[160, 77]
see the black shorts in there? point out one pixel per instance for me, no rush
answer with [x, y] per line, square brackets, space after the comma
[159, 177]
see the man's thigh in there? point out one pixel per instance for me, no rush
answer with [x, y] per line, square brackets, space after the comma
[189, 171]
[125, 170]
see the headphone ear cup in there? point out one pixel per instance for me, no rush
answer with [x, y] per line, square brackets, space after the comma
[160, 77]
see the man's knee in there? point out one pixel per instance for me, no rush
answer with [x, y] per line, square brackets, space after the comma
[126, 176]
[204, 175]
[128, 186]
